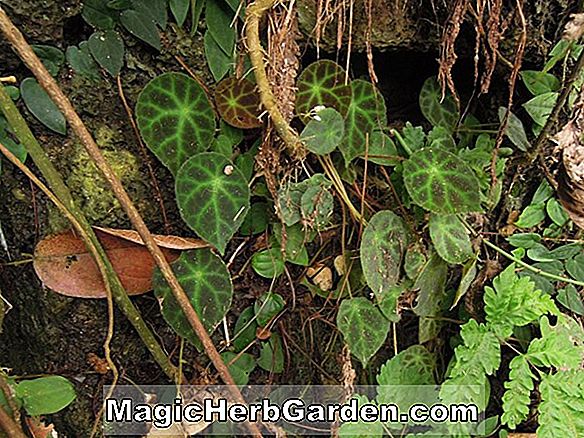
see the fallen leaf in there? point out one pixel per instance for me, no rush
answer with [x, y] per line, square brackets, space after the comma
[170, 242]
[64, 264]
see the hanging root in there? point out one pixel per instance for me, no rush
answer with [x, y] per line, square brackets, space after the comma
[254, 14]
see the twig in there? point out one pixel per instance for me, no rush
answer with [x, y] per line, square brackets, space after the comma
[155, 186]
[254, 14]
[8, 79]
[50, 86]
[531, 268]
[9, 425]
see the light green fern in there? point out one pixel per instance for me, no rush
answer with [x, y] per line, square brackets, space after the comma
[514, 302]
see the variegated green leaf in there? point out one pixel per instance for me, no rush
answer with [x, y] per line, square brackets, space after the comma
[175, 119]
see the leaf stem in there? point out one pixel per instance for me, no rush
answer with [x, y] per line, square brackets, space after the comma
[401, 141]
[332, 173]
[531, 268]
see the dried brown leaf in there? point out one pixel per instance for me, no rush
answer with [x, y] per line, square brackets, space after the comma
[170, 242]
[64, 264]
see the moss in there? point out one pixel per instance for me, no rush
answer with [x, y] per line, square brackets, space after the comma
[93, 193]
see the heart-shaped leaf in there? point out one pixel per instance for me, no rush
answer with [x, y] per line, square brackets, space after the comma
[439, 111]
[541, 106]
[175, 118]
[324, 131]
[41, 106]
[238, 103]
[82, 62]
[207, 283]
[213, 197]
[268, 263]
[363, 326]
[450, 238]
[108, 50]
[383, 246]
[366, 114]
[441, 182]
[322, 83]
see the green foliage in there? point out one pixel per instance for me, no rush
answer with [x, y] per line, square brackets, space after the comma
[381, 149]
[539, 82]
[41, 106]
[366, 113]
[81, 60]
[239, 367]
[363, 326]
[218, 17]
[517, 395]
[107, 49]
[322, 83]
[51, 57]
[272, 355]
[238, 103]
[44, 395]
[308, 201]
[179, 9]
[213, 197]
[268, 263]
[207, 283]
[514, 302]
[441, 182]
[450, 238]
[432, 297]
[267, 307]
[412, 366]
[562, 404]
[137, 22]
[175, 118]
[540, 107]
[324, 132]
[245, 329]
[439, 110]
[515, 130]
[383, 246]
[218, 61]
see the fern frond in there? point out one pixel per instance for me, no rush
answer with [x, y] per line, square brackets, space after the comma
[555, 348]
[518, 388]
[562, 405]
[514, 301]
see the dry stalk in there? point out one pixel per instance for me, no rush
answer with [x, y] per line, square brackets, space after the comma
[28, 56]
